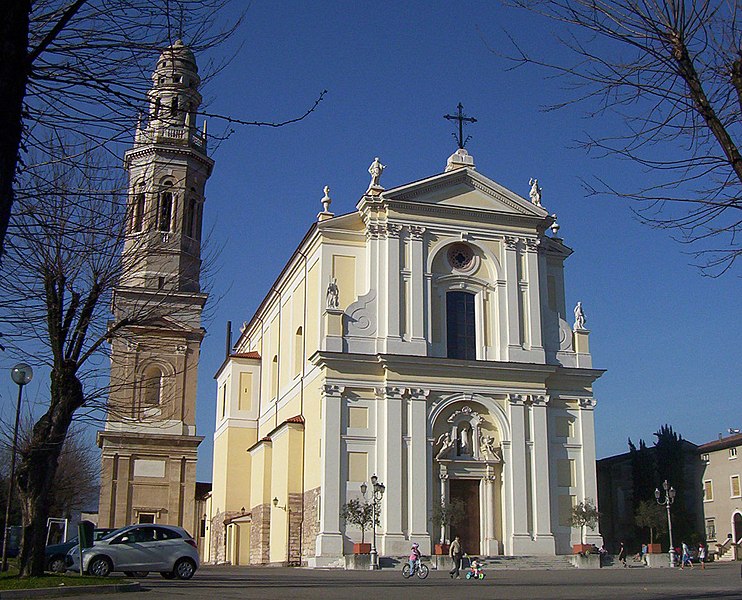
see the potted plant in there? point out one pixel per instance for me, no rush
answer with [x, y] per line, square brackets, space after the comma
[583, 515]
[652, 516]
[361, 514]
[445, 513]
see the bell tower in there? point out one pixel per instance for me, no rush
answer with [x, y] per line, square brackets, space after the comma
[149, 442]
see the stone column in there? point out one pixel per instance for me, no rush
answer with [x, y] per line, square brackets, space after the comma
[518, 476]
[491, 547]
[540, 469]
[442, 496]
[420, 304]
[389, 449]
[589, 487]
[534, 302]
[418, 467]
[329, 539]
[512, 317]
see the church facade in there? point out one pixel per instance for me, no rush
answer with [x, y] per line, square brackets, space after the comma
[149, 442]
[423, 339]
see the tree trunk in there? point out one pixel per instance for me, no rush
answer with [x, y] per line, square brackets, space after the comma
[14, 72]
[38, 465]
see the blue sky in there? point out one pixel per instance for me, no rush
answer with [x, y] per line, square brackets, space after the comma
[667, 336]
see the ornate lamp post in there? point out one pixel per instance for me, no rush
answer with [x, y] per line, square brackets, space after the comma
[667, 501]
[21, 375]
[378, 494]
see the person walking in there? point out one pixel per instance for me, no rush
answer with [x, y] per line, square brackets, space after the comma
[685, 560]
[622, 555]
[455, 553]
[702, 555]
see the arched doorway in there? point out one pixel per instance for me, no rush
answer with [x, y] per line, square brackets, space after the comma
[737, 527]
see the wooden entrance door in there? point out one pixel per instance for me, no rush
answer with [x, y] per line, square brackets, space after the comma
[467, 490]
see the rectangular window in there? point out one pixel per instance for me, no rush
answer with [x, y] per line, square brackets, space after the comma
[224, 400]
[566, 473]
[245, 402]
[461, 326]
[704, 458]
[146, 517]
[564, 427]
[358, 417]
[732, 453]
[710, 529]
[734, 485]
[565, 510]
[708, 491]
[357, 467]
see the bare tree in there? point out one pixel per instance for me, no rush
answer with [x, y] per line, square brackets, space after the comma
[84, 66]
[66, 259]
[671, 71]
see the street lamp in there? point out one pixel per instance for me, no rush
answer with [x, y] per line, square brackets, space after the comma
[378, 494]
[21, 375]
[667, 501]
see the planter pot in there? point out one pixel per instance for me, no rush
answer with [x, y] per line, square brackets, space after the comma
[361, 548]
[441, 549]
[582, 548]
[654, 548]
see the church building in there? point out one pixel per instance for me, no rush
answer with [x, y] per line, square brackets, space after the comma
[422, 339]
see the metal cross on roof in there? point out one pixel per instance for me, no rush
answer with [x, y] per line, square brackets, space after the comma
[460, 117]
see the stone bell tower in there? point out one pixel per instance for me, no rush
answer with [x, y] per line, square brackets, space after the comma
[149, 442]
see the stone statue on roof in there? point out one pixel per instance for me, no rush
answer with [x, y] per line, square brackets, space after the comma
[579, 317]
[375, 170]
[535, 192]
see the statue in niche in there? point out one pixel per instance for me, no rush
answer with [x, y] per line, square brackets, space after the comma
[465, 440]
[579, 317]
[447, 444]
[487, 447]
[333, 294]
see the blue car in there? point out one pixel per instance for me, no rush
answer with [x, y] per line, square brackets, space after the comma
[55, 553]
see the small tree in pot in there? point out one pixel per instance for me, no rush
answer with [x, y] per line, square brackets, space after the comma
[445, 513]
[650, 515]
[584, 514]
[361, 514]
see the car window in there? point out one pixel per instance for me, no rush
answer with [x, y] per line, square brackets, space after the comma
[142, 534]
[110, 534]
[167, 534]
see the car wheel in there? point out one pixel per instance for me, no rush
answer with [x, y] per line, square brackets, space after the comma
[168, 574]
[57, 565]
[184, 568]
[100, 566]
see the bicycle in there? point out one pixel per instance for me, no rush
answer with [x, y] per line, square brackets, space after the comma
[421, 570]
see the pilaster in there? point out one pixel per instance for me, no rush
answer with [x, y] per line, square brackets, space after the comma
[544, 537]
[329, 540]
[512, 317]
[518, 476]
[418, 464]
[389, 453]
[418, 300]
[534, 302]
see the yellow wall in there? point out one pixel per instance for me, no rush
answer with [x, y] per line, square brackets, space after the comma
[313, 312]
[232, 466]
[344, 270]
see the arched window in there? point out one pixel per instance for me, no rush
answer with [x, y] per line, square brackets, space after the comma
[137, 210]
[152, 386]
[190, 218]
[165, 213]
[461, 338]
[274, 377]
[298, 351]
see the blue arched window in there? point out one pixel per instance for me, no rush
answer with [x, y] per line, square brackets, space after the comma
[461, 335]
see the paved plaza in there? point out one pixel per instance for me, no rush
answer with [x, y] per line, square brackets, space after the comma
[718, 581]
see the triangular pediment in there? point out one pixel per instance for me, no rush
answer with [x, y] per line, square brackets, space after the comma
[465, 188]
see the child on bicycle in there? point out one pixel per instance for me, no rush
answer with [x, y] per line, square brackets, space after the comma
[415, 557]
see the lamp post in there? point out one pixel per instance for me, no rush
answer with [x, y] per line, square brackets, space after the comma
[287, 510]
[667, 501]
[378, 494]
[21, 375]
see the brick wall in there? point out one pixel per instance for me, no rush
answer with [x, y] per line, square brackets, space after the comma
[260, 534]
[310, 526]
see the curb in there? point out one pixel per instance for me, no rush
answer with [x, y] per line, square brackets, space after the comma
[71, 590]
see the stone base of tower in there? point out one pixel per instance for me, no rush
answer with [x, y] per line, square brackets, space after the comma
[148, 478]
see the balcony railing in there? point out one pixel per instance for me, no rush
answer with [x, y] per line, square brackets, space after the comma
[170, 134]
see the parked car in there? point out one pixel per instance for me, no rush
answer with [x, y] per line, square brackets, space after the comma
[56, 553]
[138, 549]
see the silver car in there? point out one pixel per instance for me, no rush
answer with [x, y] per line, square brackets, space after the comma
[138, 549]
